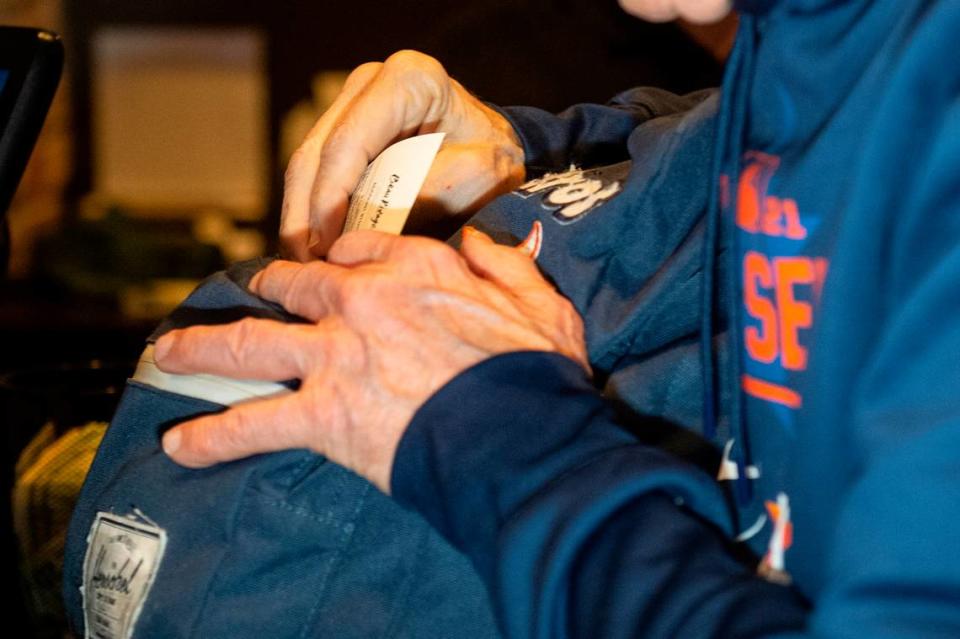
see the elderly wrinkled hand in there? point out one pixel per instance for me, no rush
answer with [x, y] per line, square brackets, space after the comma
[408, 94]
[392, 320]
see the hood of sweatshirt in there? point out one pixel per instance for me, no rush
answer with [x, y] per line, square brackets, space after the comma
[802, 77]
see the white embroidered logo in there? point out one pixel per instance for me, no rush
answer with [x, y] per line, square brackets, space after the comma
[576, 192]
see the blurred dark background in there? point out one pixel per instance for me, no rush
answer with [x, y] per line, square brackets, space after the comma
[162, 160]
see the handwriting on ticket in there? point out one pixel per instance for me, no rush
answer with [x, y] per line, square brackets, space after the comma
[390, 185]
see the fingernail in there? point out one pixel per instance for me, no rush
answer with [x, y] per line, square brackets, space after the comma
[163, 346]
[314, 242]
[476, 234]
[254, 284]
[531, 244]
[171, 441]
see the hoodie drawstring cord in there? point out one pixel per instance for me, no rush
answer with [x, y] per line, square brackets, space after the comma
[730, 130]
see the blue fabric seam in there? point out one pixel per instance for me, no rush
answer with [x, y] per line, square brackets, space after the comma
[310, 620]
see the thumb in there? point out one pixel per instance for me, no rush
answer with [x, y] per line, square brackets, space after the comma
[510, 267]
[514, 271]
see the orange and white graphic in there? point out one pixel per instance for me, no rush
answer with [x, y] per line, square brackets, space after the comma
[773, 566]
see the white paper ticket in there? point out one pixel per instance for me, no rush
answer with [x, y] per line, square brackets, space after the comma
[390, 185]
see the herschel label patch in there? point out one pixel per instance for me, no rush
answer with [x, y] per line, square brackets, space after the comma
[123, 555]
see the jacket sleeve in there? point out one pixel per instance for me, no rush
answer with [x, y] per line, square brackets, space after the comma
[591, 134]
[578, 529]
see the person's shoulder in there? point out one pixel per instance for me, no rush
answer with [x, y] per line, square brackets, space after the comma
[931, 39]
[925, 79]
[922, 81]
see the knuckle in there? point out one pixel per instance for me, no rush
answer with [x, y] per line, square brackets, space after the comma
[417, 69]
[274, 269]
[238, 338]
[568, 310]
[318, 407]
[372, 297]
[268, 276]
[358, 293]
[421, 247]
[322, 293]
[441, 257]
[421, 259]
[231, 436]
[572, 322]
[246, 329]
[342, 248]
[412, 59]
[302, 283]
[338, 142]
[302, 304]
[364, 70]
[292, 174]
[203, 442]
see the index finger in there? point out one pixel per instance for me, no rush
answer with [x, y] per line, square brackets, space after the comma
[302, 169]
[310, 290]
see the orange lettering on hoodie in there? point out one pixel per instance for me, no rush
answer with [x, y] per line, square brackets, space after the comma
[779, 290]
[761, 343]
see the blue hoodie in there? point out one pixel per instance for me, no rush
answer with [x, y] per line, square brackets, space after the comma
[807, 228]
